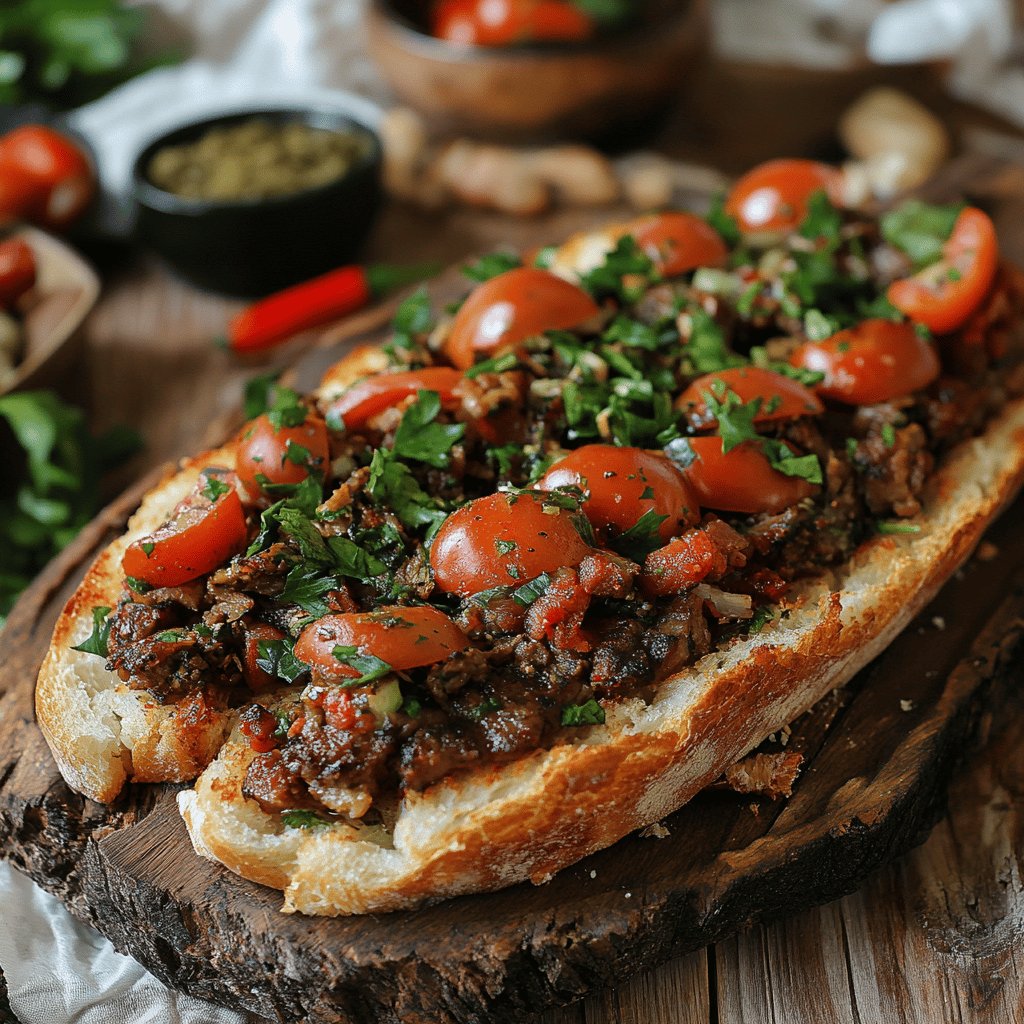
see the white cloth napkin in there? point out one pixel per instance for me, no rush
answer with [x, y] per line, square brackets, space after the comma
[60, 971]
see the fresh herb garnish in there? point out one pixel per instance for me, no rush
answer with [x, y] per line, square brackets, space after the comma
[412, 320]
[286, 409]
[724, 223]
[277, 659]
[259, 393]
[369, 666]
[491, 265]
[420, 438]
[96, 641]
[642, 538]
[303, 819]
[627, 272]
[887, 526]
[211, 490]
[590, 713]
[139, 586]
[499, 364]
[920, 229]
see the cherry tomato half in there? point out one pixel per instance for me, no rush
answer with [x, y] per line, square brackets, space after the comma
[507, 309]
[256, 677]
[678, 242]
[774, 195]
[742, 479]
[872, 362]
[503, 540]
[507, 22]
[284, 455]
[944, 295]
[200, 537]
[403, 637]
[624, 483]
[59, 171]
[368, 397]
[17, 270]
[782, 398]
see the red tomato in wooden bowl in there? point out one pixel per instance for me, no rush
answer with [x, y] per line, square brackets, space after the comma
[508, 22]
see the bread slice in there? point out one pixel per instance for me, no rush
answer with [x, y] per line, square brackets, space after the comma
[101, 732]
[495, 826]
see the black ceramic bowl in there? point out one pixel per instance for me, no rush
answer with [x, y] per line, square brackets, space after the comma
[253, 247]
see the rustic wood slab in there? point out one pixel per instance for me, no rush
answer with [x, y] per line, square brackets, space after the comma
[873, 784]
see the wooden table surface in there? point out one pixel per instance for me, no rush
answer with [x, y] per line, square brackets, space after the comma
[934, 937]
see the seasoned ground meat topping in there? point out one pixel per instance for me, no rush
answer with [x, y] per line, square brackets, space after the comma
[569, 488]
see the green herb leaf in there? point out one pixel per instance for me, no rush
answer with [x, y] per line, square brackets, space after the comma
[529, 592]
[277, 659]
[286, 410]
[725, 224]
[627, 272]
[419, 437]
[642, 538]
[369, 666]
[706, 350]
[920, 229]
[96, 642]
[303, 819]
[258, 394]
[491, 265]
[887, 526]
[212, 489]
[499, 364]
[413, 319]
[305, 586]
[590, 713]
[393, 486]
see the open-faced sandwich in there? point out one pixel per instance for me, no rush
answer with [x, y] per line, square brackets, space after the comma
[536, 571]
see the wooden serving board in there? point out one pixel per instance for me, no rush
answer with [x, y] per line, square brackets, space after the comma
[878, 757]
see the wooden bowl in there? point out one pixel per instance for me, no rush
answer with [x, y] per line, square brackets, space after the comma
[66, 290]
[606, 90]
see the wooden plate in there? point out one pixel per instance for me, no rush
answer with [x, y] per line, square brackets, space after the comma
[66, 290]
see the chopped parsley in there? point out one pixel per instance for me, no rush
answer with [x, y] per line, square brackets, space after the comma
[413, 319]
[370, 667]
[706, 350]
[736, 425]
[258, 394]
[724, 223]
[627, 272]
[420, 438]
[920, 229]
[286, 409]
[888, 435]
[212, 490]
[303, 819]
[139, 586]
[590, 713]
[642, 538]
[491, 265]
[887, 526]
[499, 364]
[96, 641]
[277, 659]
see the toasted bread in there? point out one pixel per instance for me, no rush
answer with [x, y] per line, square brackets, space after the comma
[101, 732]
[495, 826]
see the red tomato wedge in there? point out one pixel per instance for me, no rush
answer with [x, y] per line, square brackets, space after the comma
[774, 195]
[284, 455]
[504, 540]
[872, 362]
[944, 295]
[678, 242]
[742, 479]
[625, 483]
[507, 22]
[403, 637]
[200, 538]
[17, 270]
[782, 398]
[509, 308]
[371, 396]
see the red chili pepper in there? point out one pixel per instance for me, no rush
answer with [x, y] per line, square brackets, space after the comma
[313, 303]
